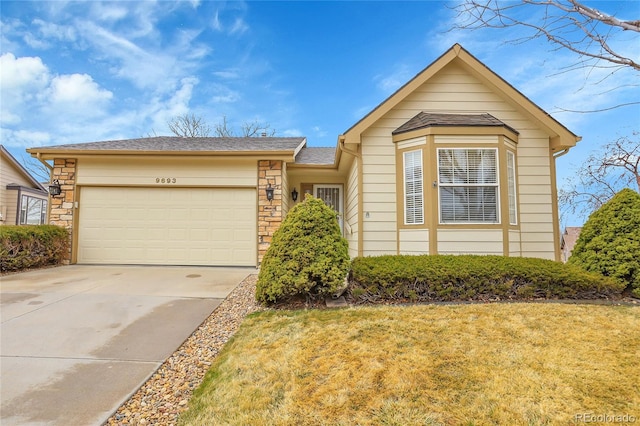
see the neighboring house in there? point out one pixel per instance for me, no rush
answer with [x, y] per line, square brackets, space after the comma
[23, 200]
[455, 161]
[569, 239]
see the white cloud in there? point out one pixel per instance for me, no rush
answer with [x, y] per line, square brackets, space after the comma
[292, 133]
[55, 31]
[78, 91]
[239, 26]
[392, 82]
[21, 73]
[24, 138]
[21, 81]
[318, 132]
[231, 74]
[215, 22]
[223, 94]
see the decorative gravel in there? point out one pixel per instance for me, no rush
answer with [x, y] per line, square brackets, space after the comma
[166, 394]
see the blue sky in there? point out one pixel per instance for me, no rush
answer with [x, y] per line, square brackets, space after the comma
[88, 71]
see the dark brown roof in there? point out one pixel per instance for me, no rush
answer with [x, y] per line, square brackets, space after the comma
[176, 144]
[316, 155]
[428, 119]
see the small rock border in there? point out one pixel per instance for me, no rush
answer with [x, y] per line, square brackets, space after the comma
[167, 392]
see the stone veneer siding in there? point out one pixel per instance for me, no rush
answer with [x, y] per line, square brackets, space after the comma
[269, 213]
[61, 213]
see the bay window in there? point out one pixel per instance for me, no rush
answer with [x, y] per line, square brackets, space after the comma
[468, 185]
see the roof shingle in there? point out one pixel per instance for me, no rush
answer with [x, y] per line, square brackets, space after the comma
[428, 119]
[180, 144]
[316, 155]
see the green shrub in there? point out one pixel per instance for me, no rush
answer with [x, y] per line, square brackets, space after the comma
[308, 255]
[31, 246]
[468, 277]
[610, 240]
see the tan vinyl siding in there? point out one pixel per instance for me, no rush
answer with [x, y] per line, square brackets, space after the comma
[414, 241]
[454, 90]
[10, 207]
[351, 210]
[514, 243]
[187, 172]
[535, 201]
[9, 197]
[470, 241]
[379, 194]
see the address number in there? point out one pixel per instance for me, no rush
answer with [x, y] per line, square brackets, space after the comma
[165, 180]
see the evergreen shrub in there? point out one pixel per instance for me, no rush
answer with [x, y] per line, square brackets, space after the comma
[609, 243]
[307, 256]
[31, 246]
[469, 277]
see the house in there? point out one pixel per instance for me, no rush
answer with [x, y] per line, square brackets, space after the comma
[23, 200]
[568, 241]
[455, 161]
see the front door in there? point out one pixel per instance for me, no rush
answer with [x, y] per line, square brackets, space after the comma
[332, 196]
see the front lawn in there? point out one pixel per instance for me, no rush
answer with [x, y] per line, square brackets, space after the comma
[522, 363]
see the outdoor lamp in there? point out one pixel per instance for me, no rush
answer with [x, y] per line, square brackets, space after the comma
[269, 191]
[54, 188]
[294, 194]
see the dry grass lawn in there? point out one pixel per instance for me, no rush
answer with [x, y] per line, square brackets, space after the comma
[505, 364]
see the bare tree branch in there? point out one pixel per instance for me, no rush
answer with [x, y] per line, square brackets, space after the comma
[222, 129]
[566, 23]
[189, 126]
[604, 173]
[256, 128]
[36, 168]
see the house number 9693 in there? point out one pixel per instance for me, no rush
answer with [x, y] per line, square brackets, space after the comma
[165, 180]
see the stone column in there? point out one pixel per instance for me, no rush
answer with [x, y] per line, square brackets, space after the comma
[269, 212]
[61, 206]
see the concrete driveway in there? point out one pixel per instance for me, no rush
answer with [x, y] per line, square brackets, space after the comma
[77, 341]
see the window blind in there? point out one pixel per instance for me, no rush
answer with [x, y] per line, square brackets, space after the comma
[468, 182]
[413, 185]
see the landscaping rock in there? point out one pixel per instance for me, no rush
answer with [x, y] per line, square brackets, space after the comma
[166, 394]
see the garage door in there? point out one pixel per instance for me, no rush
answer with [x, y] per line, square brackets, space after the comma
[167, 226]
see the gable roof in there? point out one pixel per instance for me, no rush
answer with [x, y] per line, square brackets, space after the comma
[172, 145]
[561, 137]
[428, 119]
[21, 169]
[316, 155]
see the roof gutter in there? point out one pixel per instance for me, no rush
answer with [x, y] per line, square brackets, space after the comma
[341, 142]
[47, 165]
[561, 153]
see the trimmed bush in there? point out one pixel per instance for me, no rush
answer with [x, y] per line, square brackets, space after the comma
[31, 246]
[468, 277]
[308, 255]
[609, 243]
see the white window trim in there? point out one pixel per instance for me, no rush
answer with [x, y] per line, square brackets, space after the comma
[496, 185]
[511, 154]
[404, 185]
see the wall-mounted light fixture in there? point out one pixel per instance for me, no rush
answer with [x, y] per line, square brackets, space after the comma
[294, 195]
[269, 192]
[54, 188]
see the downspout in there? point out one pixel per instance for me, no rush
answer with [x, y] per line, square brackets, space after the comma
[557, 233]
[358, 156]
[47, 165]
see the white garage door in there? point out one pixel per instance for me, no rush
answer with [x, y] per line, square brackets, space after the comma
[167, 226]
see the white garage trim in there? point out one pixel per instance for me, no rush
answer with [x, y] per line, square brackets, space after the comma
[167, 226]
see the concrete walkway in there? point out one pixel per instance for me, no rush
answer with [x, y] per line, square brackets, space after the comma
[77, 341]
